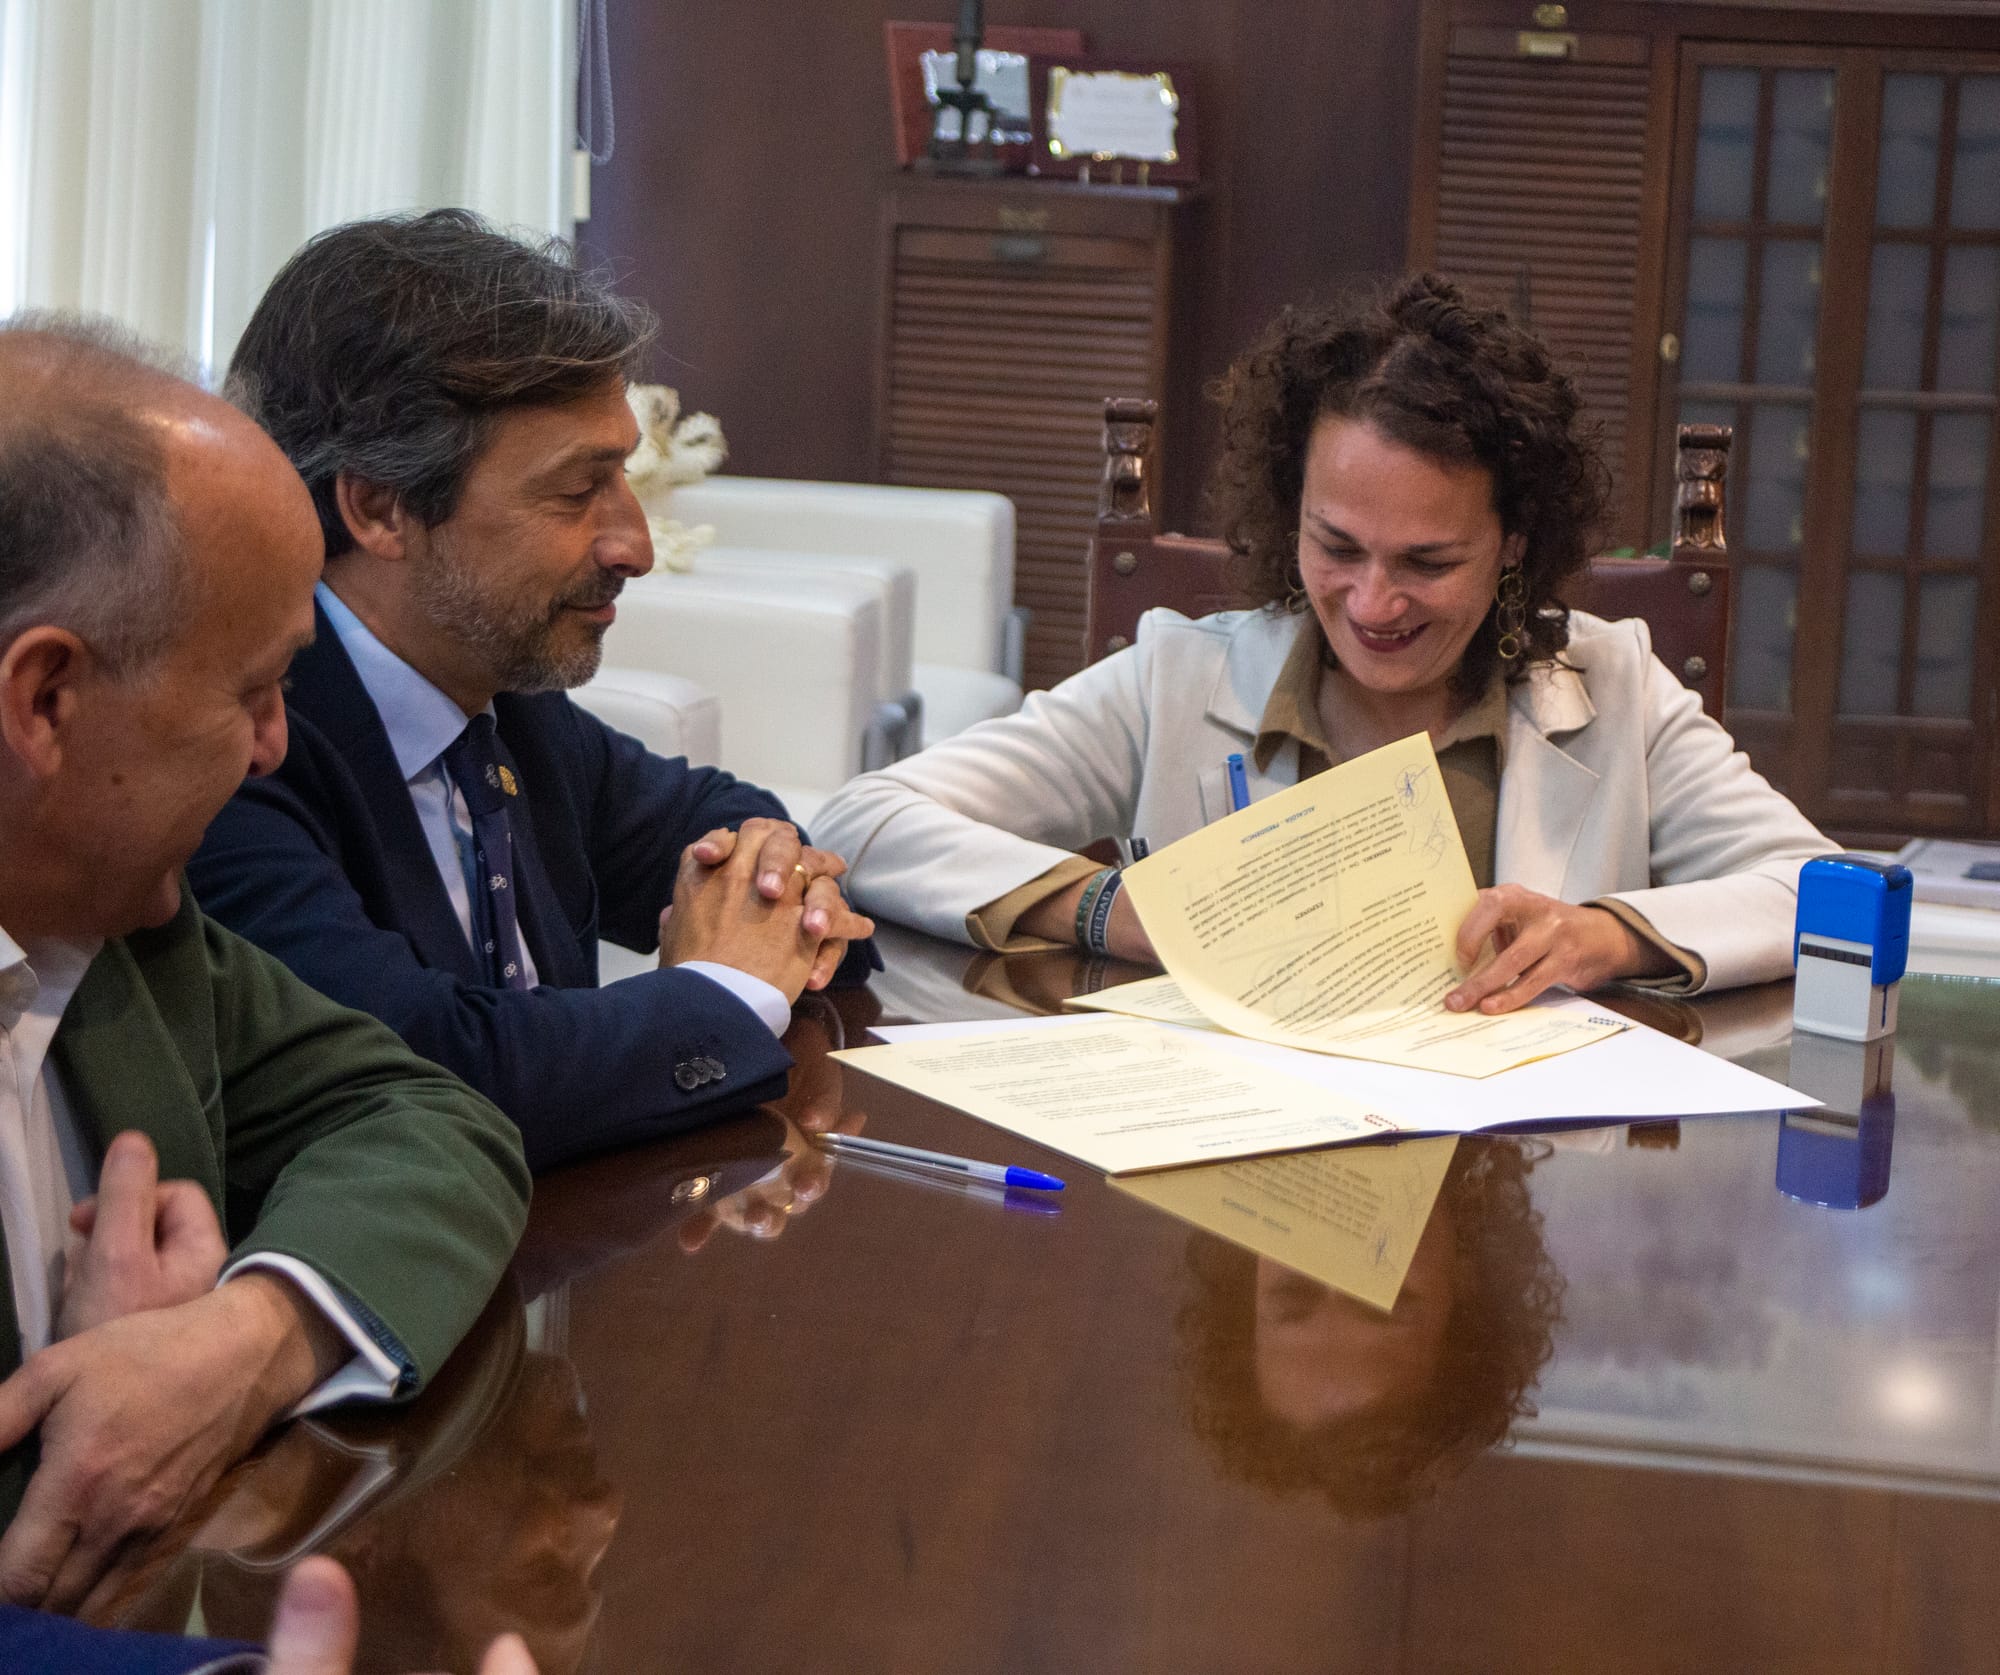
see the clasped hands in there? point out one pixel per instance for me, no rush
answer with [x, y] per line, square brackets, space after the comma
[758, 900]
[158, 1379]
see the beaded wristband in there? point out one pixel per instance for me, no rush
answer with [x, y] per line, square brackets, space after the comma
[1096, 939]
[1088, 900]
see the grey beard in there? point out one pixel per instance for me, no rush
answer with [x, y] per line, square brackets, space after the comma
[521, 649]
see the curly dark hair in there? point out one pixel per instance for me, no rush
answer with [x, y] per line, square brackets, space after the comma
[1506, 1301]
[1438, 373]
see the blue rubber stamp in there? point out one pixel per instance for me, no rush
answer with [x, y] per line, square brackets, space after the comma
[1852, 942]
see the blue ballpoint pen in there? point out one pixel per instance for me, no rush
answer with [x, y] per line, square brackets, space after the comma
[926, 1179]
[1000, 1174]
[1239, 785]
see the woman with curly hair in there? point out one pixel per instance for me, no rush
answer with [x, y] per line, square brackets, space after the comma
[1410, 490]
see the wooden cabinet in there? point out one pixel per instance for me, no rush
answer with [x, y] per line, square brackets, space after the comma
[1531, 187]
[1787, 219]
[1011, 309]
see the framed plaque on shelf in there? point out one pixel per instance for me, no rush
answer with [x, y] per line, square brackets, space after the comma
[1111, 120]
[921, 57]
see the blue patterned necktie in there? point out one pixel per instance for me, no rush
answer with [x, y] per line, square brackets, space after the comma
[487, 785]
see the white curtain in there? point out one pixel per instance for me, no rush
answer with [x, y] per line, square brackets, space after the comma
[160, 158]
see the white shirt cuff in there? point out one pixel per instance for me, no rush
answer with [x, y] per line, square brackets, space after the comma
[372, 1376]
[768, 1003]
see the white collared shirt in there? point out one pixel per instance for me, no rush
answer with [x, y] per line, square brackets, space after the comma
[422, 723]
[43, 1167]
[46, 1167]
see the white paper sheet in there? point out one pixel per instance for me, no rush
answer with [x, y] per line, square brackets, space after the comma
[1638, 1075]
[1120, 1094]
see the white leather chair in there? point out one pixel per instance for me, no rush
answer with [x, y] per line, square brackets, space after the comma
[668, 715]
[795, 662]
[769, 573]
[959, 543]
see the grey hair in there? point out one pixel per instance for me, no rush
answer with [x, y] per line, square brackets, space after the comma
[89, 537]
[387, 349]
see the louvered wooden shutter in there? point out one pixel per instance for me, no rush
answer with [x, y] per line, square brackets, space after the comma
[1540, 174]
[1000, 347]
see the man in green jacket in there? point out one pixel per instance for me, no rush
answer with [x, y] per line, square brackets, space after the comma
[157, 563]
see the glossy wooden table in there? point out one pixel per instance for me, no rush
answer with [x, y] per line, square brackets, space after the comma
[844, 1421]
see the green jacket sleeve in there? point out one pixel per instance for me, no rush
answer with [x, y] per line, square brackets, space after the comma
[344, 1149]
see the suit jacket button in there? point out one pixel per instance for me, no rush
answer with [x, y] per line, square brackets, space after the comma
[687, 1078]
[716, 1069]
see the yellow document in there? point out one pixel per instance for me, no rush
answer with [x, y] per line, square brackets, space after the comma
[1159, 998]
[1120, 1094]
[1349, 1218]
[1325, 917]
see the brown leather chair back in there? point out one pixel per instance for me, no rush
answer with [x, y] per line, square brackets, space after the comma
[1684, 598]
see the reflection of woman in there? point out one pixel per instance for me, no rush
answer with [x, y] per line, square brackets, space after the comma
[1297, 1387]
[1411, 492]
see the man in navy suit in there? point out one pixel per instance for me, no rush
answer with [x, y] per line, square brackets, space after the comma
[450, 834]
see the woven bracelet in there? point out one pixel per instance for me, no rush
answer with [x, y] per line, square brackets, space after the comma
[1087, 901]
[1100, 915]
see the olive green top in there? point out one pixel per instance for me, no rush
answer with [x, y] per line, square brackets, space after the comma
[314, 1130]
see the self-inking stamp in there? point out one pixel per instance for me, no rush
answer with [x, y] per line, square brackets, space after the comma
[1852, 942]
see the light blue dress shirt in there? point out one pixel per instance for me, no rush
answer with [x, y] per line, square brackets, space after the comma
[421, 722]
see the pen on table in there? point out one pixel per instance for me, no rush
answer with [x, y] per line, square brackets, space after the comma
[926, 1179]
[915, 1157]
[1239, 784]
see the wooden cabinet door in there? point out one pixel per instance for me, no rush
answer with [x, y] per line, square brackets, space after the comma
[1011, 310]
[1786, 219]
[1836, 287]
[1545, 178]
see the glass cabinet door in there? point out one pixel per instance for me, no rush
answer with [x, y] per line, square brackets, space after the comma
[1861, 529]
[1749, 334]
[1907, 730]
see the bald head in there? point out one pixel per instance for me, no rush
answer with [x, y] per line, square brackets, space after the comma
[157, 562]
[96, 425]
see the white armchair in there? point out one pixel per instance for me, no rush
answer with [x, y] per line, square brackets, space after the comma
[958, 543]
[668, 715]
[770, 573]
[795, 660]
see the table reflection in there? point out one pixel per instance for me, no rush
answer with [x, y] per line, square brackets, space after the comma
[1837, 1154]
[1298, 1387]
[476, 1509]
[751, 1409]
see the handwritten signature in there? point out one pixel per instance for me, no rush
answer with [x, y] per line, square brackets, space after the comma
[1429, 841]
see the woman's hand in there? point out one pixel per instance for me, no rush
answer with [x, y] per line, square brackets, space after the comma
[1125, 936]
[1540, 942]
[1055, 920]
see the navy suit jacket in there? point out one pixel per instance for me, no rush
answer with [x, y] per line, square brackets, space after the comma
[324, 864]
[33, 1640]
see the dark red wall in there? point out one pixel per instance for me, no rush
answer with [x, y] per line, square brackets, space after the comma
[753, 138]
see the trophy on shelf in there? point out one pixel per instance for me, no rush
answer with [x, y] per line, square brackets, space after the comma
[962, 134]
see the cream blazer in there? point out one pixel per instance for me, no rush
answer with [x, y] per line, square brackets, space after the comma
[1616, 784]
